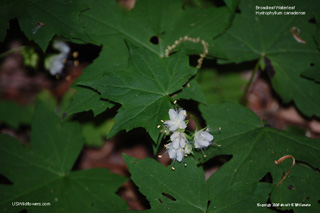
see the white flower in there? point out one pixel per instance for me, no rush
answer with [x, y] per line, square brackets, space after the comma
[176, 120]
[202, 139]
[178, 140]
[180, 154]
[178, 147]
[62, 47]
[171, 151]
[188, 149]
[175, 153]
[55, 64]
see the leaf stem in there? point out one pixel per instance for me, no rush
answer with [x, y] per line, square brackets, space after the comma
[243, 99]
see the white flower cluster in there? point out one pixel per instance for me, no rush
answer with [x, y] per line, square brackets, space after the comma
[180, 146]
[55, 63]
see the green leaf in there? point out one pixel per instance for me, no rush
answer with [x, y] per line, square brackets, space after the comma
[144, 89]
[232, 4]
[14, 115]
[87, 99]
[254, 148]
[240, 197]
[312, 73]
[300, 187]
[164, 20]
[41, 171]
[185, 189]
[316, 36]
[192, 91]
[219, 86]
[181, 190]
[59, 18]
[252, 37]
[95, 133]
[113, 58]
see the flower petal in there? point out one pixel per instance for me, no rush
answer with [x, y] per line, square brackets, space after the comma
[172, 114]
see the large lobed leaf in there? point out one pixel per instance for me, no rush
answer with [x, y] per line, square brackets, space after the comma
[165, 19]
[105, 23]
[185, 189]
[112, 58]
[58, 16]
[41, 172]
[254, 37]
[143, 89]
[14, 115]
[254, 148]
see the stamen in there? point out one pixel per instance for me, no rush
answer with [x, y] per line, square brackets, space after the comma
[216, 130]
[75, 54]
[216, 144]
[204, 155]
[172, 168]
[282, 159]
[76, 63]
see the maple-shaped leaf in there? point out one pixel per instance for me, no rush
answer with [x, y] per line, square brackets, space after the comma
[313, 73]
[41, 172]
[143, 89]
[254, 148]
[14, 115]
[112, 58]
[185, 188]
[154, 24]
[300, 190]
[87, 99]
[41, 20]
[272, 38]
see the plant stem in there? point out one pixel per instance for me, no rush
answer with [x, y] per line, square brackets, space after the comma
[157, 145]
[11, 51]
[243, 99]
